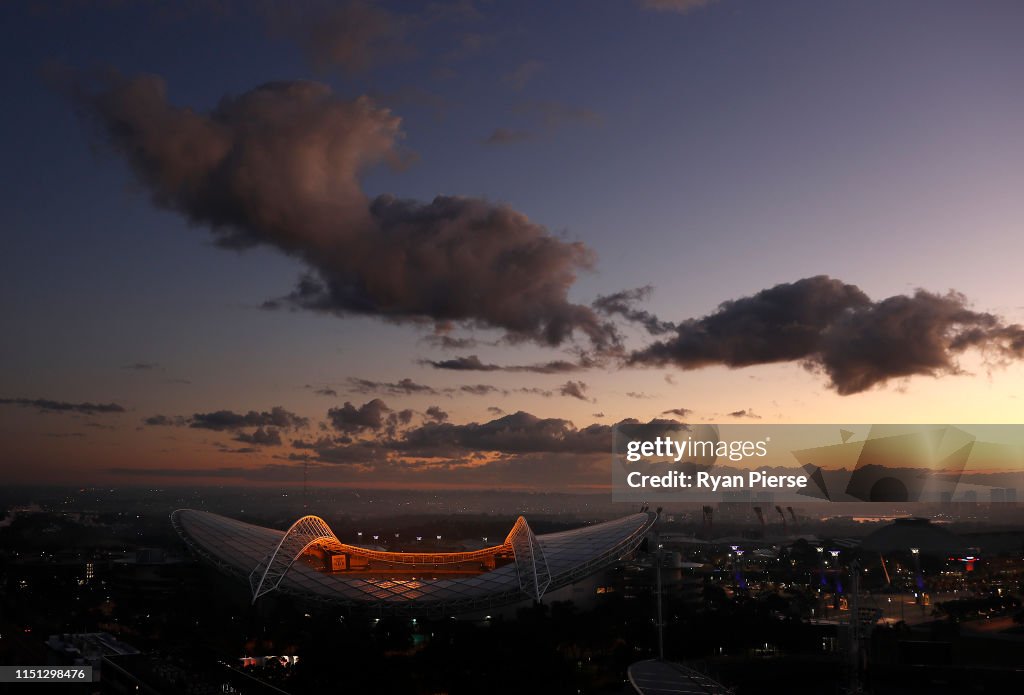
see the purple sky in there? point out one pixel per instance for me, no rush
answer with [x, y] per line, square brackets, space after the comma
[159, 196]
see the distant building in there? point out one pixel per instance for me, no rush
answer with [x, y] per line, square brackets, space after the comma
[904, 534]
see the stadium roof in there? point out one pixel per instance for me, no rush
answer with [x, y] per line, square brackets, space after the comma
[524, 567]
[904, 534]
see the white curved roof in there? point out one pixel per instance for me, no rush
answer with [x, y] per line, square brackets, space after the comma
[243, 549]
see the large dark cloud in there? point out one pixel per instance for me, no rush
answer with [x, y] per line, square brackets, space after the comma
[50, 406]
[780, 324]
[907, 335]
[834, 327]
[222, 420]
[280, 166]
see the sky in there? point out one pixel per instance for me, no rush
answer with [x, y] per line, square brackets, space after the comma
[452, 244]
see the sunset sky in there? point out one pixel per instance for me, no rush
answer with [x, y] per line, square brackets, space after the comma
[453, 243]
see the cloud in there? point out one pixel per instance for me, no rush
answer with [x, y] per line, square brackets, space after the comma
[507, 136]
[352, 36]
[166, 421]
[479, 389]
[405, 387]
[141, 366]
[269, 436]
[681, 412]
[222, 420]
[280, 166]
[624, 304]
[744, 413]
[518, 433]
[547, 118]
[574, 389]
[495, 410]
[523, 73]
[46, 405]
[833, 327]
[472, 363]
[369, 416]
[471, 449]
[678, 6]
[447, 342]
[325, 392]
[556, 114]
[436, 414]
[909, 335]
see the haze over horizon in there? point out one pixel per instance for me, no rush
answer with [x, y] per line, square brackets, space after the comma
[452, 245]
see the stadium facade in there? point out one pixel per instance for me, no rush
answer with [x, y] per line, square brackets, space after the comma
[309, 562]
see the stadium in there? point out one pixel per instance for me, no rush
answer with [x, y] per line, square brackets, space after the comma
[309, 562]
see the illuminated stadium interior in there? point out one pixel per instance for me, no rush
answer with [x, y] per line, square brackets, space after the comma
[308, 561]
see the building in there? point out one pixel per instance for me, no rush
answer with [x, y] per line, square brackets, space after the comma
[904, 534]
[308, 561]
